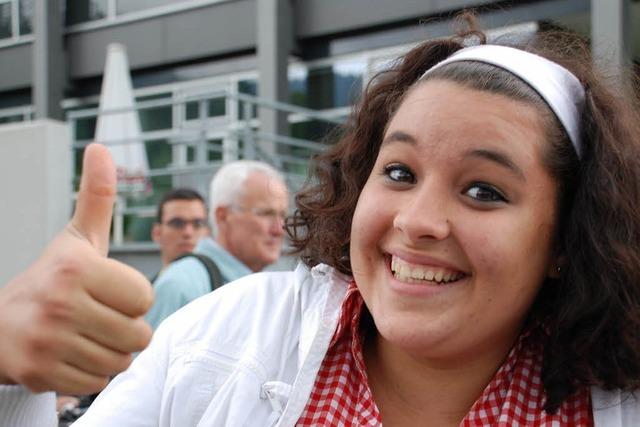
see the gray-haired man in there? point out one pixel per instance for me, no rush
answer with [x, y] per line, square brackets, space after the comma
[248, 202]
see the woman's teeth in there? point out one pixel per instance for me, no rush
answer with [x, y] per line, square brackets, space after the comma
[413, 273]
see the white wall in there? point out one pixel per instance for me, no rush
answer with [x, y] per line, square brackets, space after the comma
[35, 190]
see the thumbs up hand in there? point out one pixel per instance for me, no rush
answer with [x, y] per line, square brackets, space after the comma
[74, 317]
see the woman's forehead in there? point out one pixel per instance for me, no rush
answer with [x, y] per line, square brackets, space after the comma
[450, 106]
[439, 114]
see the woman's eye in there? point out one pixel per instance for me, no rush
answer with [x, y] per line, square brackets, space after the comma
[485, 193]
[399, 173]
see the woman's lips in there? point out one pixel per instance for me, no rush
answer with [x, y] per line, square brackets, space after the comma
[427, 273]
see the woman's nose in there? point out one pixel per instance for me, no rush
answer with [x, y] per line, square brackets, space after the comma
[424, 214]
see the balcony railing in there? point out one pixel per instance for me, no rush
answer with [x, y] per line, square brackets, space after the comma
[200, 146]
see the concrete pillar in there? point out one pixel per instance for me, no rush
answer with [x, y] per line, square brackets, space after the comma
[48, 60]
[275, 36]
[611, 35]
[35, 183]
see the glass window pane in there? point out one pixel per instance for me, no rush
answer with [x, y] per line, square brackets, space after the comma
[348, 82]
[26, 16]
[297, 86]
[320, 87]
[78, 11]
[312, 130]
[5, 20]
[77, 167]
[12, 119]
[155, 118]
[128, 6]
[250, 87]
[337, 85]
[216, 107]
[192, 110]
[159, 156]
[214, 150]
[137, 228]
[85, 128]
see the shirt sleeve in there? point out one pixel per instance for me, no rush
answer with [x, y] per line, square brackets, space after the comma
[177, 285]
[20, 407]
[133, 398]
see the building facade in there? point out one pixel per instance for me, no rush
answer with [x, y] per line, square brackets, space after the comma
[222, 79]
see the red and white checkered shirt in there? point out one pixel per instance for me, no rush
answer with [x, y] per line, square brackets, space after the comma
[341, 395]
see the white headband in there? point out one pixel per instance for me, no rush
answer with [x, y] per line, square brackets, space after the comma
[560, 89]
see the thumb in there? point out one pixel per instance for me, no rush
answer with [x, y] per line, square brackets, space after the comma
[94, 207]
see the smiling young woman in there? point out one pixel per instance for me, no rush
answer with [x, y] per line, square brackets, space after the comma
[470, 202]
[494, 240]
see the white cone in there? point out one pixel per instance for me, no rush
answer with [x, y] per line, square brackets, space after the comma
[120, 132]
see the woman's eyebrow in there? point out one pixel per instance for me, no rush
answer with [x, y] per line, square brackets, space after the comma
[499, 158]
[502, 159]
[399, 136]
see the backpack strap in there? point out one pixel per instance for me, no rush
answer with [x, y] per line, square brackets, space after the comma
[215, 277]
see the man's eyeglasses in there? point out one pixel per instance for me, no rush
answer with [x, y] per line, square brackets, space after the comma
[266, 213]
[181, 223]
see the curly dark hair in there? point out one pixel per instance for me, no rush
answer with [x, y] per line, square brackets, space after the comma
[591, 313]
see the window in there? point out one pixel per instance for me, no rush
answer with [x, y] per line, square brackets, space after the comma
[215, 107]
[155, 118]
[25, 12]
[137, 227]
[11, 119]
[249, 87]
[83, 129]
[16, 18]
[79, 11]
[333, 85]
[311, 130]
[82, 11]
[213, 151]
[128, 6]
[297, 76]
[6, 21]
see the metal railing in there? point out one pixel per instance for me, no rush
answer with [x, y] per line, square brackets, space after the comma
[17, 114]
[200, 146]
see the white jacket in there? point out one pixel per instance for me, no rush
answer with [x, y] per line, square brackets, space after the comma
[245, 355]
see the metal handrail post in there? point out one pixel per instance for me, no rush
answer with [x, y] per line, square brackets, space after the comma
[249, 148]
[118, 220]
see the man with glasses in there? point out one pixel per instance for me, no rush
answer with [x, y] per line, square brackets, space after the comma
[247, 204]
[180, 222]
